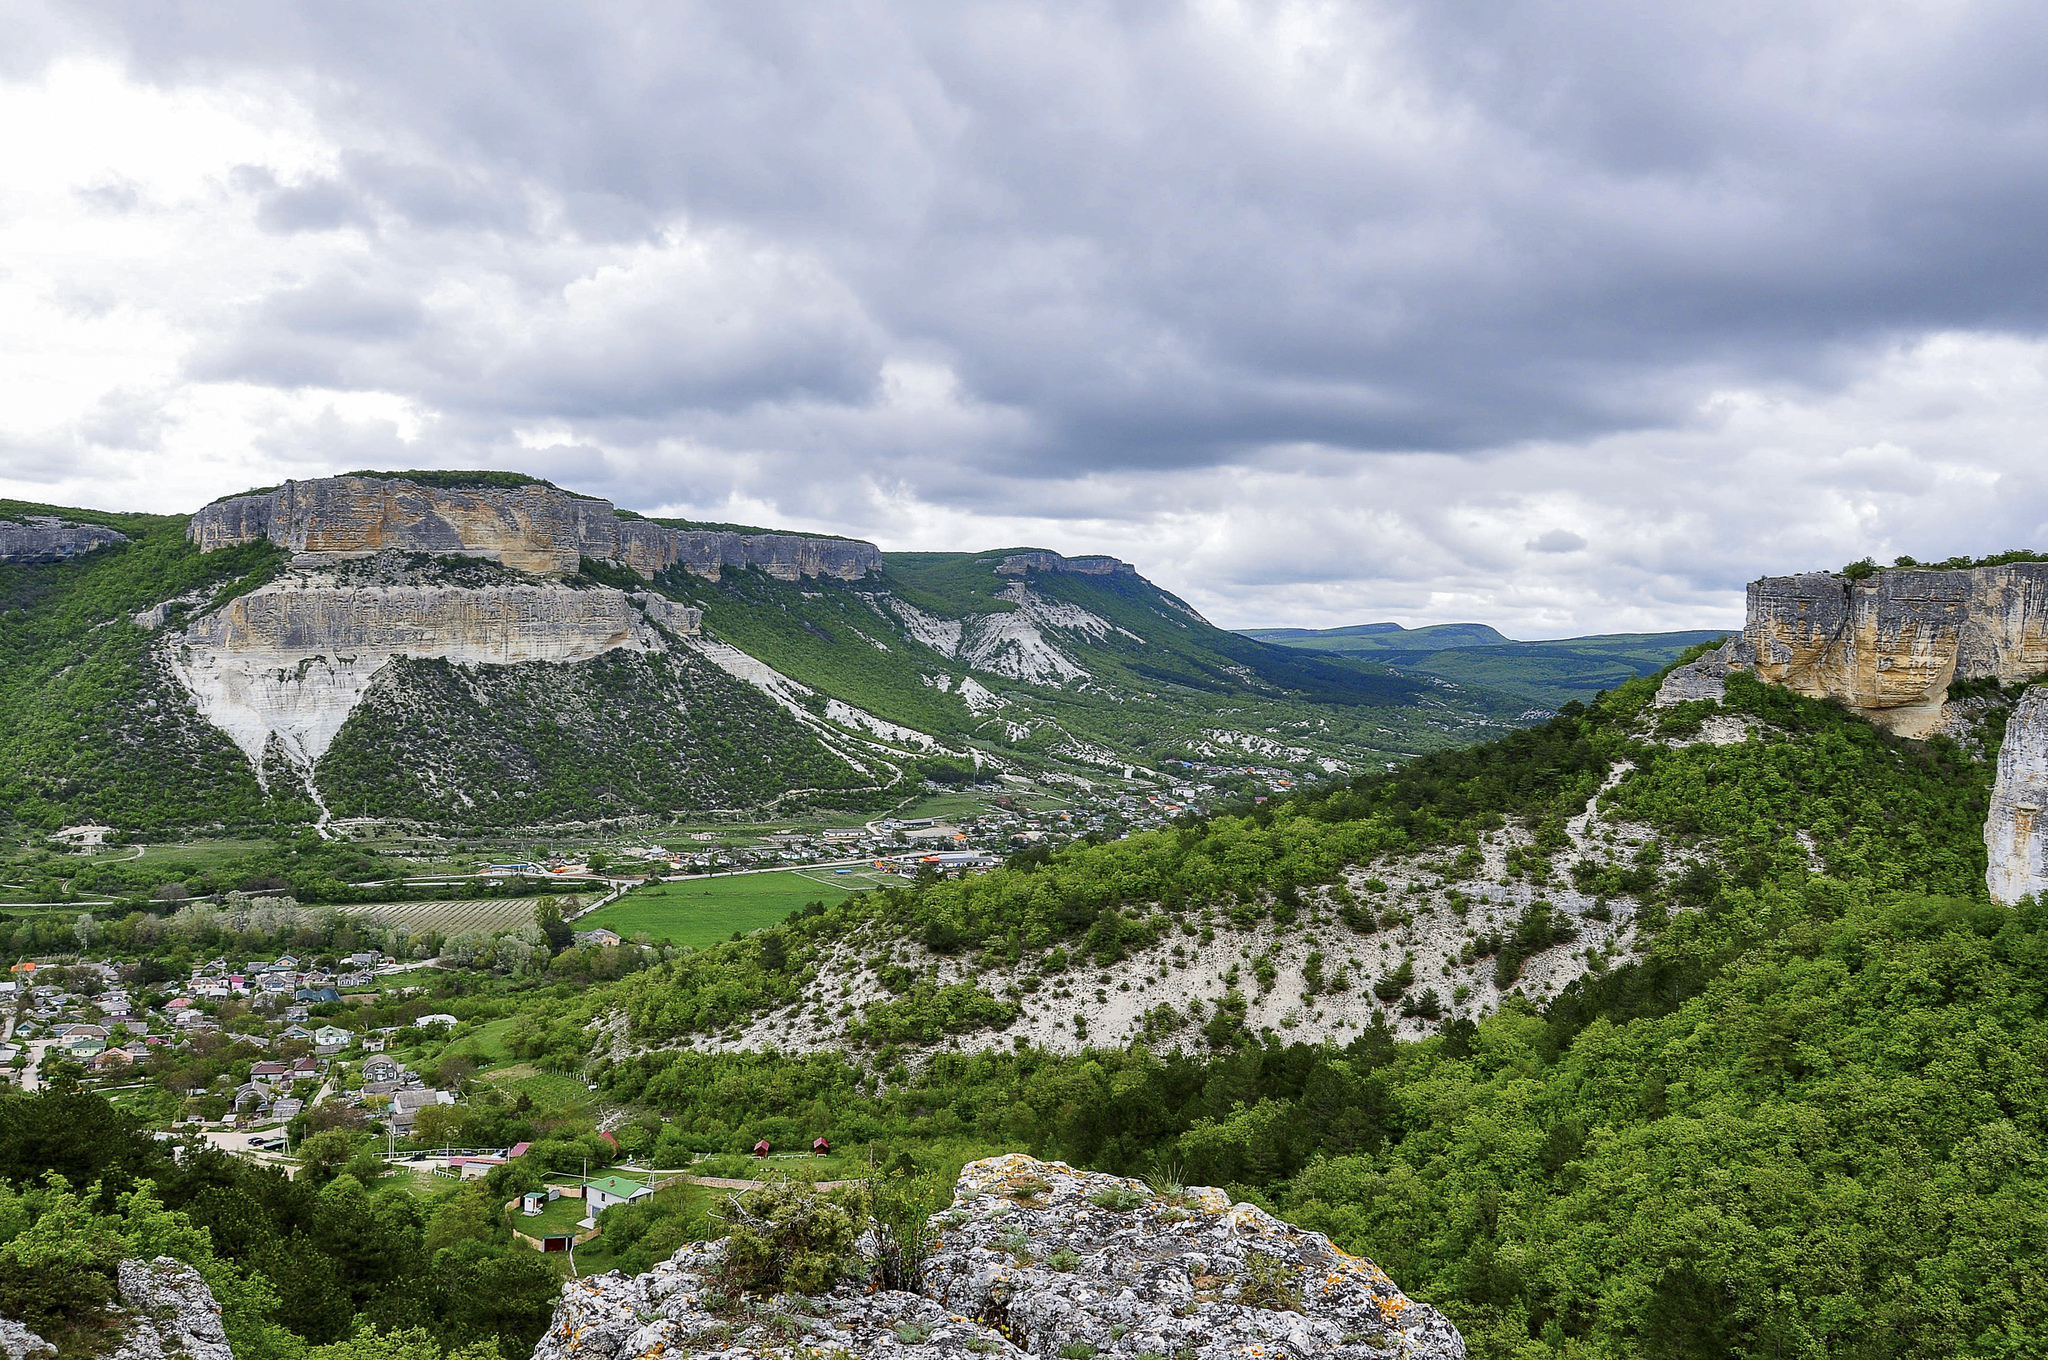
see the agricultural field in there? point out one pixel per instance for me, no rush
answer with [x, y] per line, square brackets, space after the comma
[701, 911]
[485, 916]
[551, 1091]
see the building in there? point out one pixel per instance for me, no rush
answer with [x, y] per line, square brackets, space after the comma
[333, 1035]
[602, 1194]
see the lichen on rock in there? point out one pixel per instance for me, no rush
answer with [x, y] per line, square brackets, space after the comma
[1037, 1258]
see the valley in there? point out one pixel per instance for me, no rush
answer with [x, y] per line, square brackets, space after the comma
[603, 874]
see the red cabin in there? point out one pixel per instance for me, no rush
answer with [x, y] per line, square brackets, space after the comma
[761, 1148]
[821, 1148]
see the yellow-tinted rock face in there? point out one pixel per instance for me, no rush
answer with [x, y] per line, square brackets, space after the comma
[531, 528]
[1889, 646]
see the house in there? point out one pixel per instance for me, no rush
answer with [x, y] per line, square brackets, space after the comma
[602, 1194]
[306, 1067]
[381, 1069]
[113, 1060]
[315, 995]
[607, 938]
[268, 1069]
[296, 1032]
[437, 1018]
[373, 1043]
[332, 1035]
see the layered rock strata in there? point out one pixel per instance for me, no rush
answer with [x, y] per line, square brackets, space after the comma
[2015, 833]
[47, 539]
[1035, 1258]
[288, 663]
[536, 529]
[1024, 563]
[1889, 646]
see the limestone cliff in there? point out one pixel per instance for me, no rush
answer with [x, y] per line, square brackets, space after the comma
[1889, 646]
[45, 538]
[533, 528]
[2015, 833]
[1024, 563]
[283, 666]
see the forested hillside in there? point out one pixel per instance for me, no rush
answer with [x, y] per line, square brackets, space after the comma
[1805, 1117]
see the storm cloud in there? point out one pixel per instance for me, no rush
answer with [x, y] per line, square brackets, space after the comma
[1562, 317]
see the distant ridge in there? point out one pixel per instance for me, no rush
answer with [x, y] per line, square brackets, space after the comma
[1552, 672]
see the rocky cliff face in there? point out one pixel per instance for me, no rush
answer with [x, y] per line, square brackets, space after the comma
[534, 529]
[281, 668]
[2015, 833]
[1889, 646]
[1024, 563]
[47, 539]
[1035, 1258]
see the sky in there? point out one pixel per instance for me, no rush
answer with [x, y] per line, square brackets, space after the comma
[1563, 317]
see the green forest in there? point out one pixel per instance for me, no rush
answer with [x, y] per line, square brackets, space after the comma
[1806, 1122]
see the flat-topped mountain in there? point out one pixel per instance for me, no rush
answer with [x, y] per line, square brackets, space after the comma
[533, 527]
[486, 649]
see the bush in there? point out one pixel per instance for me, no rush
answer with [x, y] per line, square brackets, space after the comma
[787, 1238]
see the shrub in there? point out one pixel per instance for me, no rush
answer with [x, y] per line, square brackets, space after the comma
[790, 1238]
[1269, 1283]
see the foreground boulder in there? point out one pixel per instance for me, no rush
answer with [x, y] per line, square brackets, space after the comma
[1037, 1258]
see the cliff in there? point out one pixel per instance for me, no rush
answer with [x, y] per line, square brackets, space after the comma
[289, 662]
[2015, 834]
[1021, 564]
[535, 529]
[47, 539]
[1890, 645]
[1035, 1258]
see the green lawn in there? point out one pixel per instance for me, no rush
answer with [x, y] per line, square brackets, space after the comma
[704, 911]
[562, 1215]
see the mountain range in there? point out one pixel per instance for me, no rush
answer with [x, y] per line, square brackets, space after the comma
[1552, 672]
[486, 649]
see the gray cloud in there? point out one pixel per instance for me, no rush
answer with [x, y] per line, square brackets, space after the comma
[1326, 310]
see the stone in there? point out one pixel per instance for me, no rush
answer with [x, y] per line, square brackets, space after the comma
[1706, 678]
[172, 1313]
[537, 529]
[1889, 646]
[2015, 835]
[44, 538]
[20, 1343]
[1037, 1258]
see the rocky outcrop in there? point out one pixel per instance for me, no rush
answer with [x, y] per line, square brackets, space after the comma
[1889, 646]
[1024, 563]
[535, 528]
[286, 664]
[2015, 832]
[171, 1313]
[1035, 1258]
[19, 1343]
[47, 539]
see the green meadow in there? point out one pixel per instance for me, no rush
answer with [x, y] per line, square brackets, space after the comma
[703, 911]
